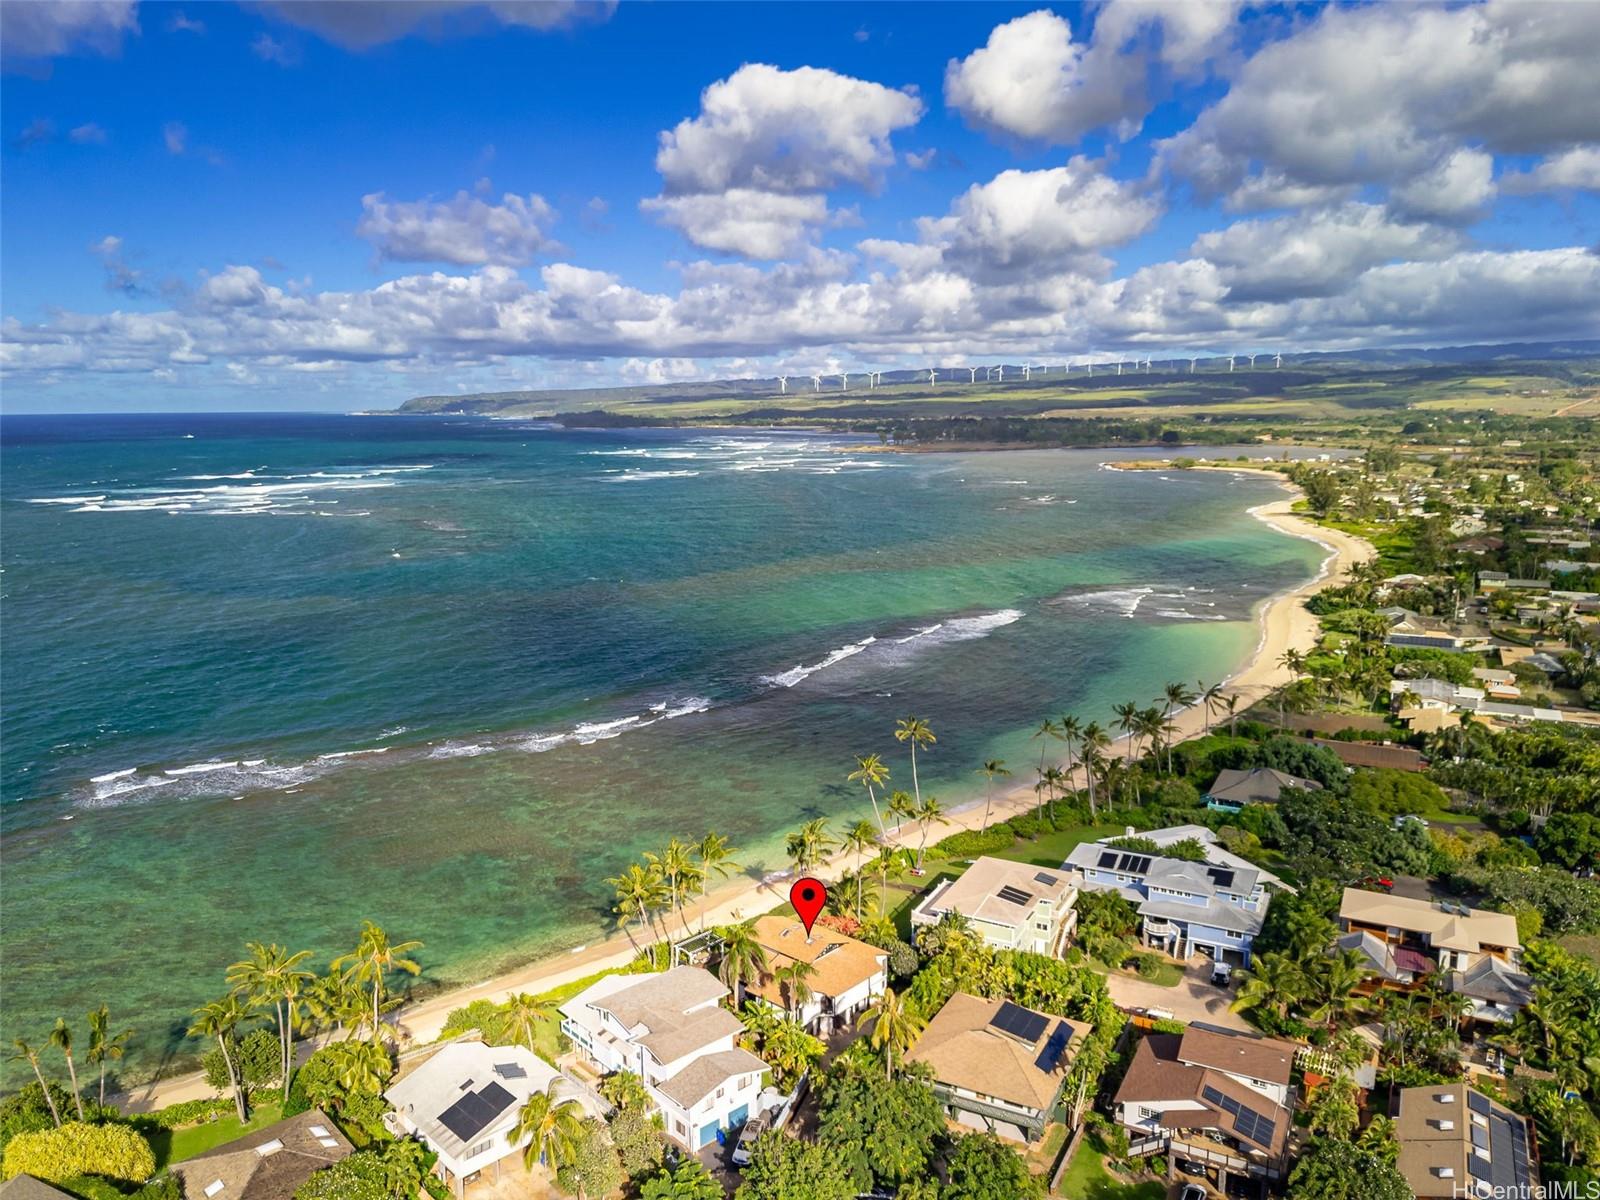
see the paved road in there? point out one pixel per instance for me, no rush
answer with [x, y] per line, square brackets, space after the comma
[1193, 999]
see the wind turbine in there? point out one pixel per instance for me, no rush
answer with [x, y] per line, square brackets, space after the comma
[933, 376]
[1119, 368]
[783, 384]
[844, 381]
[873, 377]
[1230, 364]
[1089, 366]
[1147, 364]
[1000, 372]
[816, 383]
[974, 372]
[1252, 362]
[1277, 360]
[1027, 372]
[1192, 361]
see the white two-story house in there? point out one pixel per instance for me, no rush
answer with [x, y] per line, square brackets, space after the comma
[464, 1103]
[672, 1031]
[1011, 905]
[1214, 907]
[846, 973]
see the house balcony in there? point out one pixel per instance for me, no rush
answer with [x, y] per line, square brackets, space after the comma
[1031, 1121]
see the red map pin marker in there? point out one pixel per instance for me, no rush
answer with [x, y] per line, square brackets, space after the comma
[808, 895]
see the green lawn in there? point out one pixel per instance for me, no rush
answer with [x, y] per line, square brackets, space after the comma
[1088, 1179]
[176, 1145]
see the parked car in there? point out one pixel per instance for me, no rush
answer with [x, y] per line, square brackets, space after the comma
[1192, 1191]
[753, 1129]
[1221, 972]
[1381, 882]
[1189, 1167]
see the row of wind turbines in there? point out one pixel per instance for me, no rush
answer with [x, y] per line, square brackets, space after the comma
[997, 374]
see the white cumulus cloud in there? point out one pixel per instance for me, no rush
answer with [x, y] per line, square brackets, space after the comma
[464, 230]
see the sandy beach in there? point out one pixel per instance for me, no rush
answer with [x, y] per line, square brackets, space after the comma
[1284, 624]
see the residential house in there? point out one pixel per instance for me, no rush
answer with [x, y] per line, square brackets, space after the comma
[1211, 1095]
[1499, 581]
[998, 1066]
[671, 1030]
[464, 1102]
[1434, 693]
[26, 1187]
[1404, 940]
[270, 1163]
[1215, 907]
[1233, 789]
[1014, 906]
[847, 973]
[1456, 1142]
[1407, 628]
[1373, 754]
[1497, 684]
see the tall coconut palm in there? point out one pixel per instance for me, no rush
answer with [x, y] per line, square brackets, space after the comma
[1069, 729]
[992, 769]
[519, 1019]
[639, 893]
[27, 1053]
[1230, 705]
[334, 1001]
[871, 774]
[1127, 721]
[929, 813]
[891, 863]
[903, 807]
[894, 1026]
[1178, 696]
[794, 982]
[1047, 731]
[809, 845]
[372, 960]
[553, 1128]
[1147, 723]
[1093, 744]
[271, 978]
[105, 1046]
[676, 865]
[1336, 979]
[918, 733]
[858, 838]
[220, 1019]
[61, 1039]
[1294, 662]
[1274, 982]
[744, 959]
[1211, 697]
[715, 860]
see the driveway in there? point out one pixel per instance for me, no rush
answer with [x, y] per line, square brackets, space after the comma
[1193, 999]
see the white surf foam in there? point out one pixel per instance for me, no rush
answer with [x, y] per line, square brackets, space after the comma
[795, 674]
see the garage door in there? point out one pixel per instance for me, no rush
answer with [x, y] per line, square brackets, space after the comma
[708, 1134]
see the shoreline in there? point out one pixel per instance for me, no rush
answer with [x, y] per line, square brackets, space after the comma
[1282, 619]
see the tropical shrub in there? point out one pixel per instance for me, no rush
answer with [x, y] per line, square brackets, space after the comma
[189, 1112]
[786, 1168]
[593, 1169]
[27, 1111]
[115, 1151]
[981, 1167]
[257, 1057]
[362, 1176]
[970, 843]
[689, 1181]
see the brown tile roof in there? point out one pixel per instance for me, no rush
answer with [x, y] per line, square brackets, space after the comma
[840, 960]
[966, 1052]
[247, 1174]
[1157, 1074]
[1371, 754]
[1268, 1059]
[1481, 1143]
[26, 1187]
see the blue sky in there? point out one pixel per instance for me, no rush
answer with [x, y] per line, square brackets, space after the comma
[315, 205]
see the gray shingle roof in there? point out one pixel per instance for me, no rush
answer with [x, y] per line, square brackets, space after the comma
[708, 1072]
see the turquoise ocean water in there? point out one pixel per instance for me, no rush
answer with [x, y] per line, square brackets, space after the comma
[265, 676]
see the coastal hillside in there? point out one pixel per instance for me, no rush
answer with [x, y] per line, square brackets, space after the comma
[1536, 380]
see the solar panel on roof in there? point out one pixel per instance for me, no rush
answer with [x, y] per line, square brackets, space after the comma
[1050, 1056]
[1109, 858]
[495, 1095]
[1014, 895]
[1479, 1166]
[1478, 1104]
[1211, 1095]
[459, 1118]
[474, 1112]
[1254, 1126]
[510, 1071]
[1017, 1021]
[1047, 880]
[1135, 864]
[1220, 876]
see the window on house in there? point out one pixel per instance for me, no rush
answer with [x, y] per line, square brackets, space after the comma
[679, 1129]
[481, 1148]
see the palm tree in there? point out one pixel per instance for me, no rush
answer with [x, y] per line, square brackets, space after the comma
[271, 977]
[917, 732]
[1230, 704]
[334, 1001]
[219, 1019]
[1178, 697]
[519, 1019]
[929, 813]
[991, 770]
[677, 868]
[1047, 729]
[1336, 979]
[1149, 723]
[808, 847]
[61, 1039]
[794, 981]
[858, 838]
[1294, 662]
[1127, 720]
[639, 892]
[1069, 732]
[895, 1026]
[1211, 697]
[1093, 741]
[716, 859]
[903, 805]
[28, 1053]
[871, 774]
[553, 1128]
[1274, 982]
[744, 960]
[362, 1067]
[891, 862]
[105, 1045]
[373, 958]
